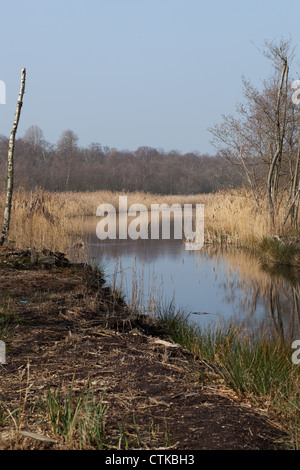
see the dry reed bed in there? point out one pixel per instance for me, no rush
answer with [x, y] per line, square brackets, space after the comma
[47, 219]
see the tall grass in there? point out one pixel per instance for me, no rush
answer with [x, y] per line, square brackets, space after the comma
[257, 368]
[48, 219]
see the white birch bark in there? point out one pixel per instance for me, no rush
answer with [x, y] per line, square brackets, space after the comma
[10, 161]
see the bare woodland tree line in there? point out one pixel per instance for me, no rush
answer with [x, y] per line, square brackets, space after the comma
[261, 142]
[67, 167]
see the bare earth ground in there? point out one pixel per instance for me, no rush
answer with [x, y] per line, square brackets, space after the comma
[65, 325]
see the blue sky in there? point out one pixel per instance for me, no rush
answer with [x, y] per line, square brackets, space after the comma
[127, 73]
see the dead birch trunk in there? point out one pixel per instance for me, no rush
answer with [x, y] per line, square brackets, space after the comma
[10, 161]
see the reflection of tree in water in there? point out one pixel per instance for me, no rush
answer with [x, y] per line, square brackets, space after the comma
[277, 308]
[278, 292]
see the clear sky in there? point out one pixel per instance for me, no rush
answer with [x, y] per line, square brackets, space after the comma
[129, 73]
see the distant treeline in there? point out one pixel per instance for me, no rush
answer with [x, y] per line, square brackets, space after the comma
[67, 167]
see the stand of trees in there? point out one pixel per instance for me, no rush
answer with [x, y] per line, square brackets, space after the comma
[67, 167]
[263, 139]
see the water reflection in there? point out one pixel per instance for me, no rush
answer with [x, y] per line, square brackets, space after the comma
[216, 285]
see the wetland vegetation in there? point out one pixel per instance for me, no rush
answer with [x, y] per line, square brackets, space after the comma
[93, 365]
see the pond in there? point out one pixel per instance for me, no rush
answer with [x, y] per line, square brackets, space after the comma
[216, 285]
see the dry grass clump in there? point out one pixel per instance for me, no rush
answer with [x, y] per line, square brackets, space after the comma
[233, 218]
[39, 220]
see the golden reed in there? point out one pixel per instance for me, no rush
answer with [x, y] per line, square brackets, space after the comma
[51, 219]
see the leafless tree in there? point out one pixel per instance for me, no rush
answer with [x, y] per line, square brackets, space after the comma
[67, 147]
[10, 161]
[261, 141]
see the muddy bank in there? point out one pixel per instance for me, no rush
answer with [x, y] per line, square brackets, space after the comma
[61, 326]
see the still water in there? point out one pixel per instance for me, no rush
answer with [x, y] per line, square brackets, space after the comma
[215, 285]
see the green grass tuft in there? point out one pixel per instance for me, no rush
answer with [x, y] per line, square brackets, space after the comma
[256, 368]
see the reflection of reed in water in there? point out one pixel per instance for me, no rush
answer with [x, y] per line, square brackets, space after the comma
[141, 298]
[263, 293]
